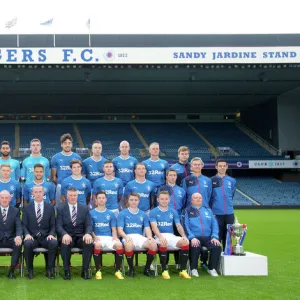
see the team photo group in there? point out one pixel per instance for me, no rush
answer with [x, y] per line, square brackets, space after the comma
[121, 206]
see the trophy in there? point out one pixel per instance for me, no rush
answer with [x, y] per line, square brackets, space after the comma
[237, 232]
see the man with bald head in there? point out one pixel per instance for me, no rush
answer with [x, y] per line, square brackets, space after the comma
[10, 230]
[202, 230]
[39, 231]
[124, 164]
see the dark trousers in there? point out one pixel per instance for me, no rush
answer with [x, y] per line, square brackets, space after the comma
[87, 251]
[9, 243]
[215, 252]
[223, 220]
[29, 245]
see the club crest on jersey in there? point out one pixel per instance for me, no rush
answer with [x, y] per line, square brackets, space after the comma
[131, 163]
[45, 190]
[83, 185]
[162, 165]
[149, 188]
[12, 188]
[108, 217]
[116, 185]
[206, 213]
[141, 218]
[171, 216]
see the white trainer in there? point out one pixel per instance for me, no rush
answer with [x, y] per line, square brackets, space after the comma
[195, 273]
[152, 267]
[212, 272]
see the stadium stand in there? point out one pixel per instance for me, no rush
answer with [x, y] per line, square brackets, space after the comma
[49, 134]
[229, 135]
[7, 133]
[110, 136]
[241, 200]
[269, 191]
[171, 136]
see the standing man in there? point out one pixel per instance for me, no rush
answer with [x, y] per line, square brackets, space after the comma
[124, 164]
[177, 194]
[183, 167]
[162, 220]
[27, 171]
[156, 167]
[11, 185]
[131, 224]
[49, 188]
[111, 185]
[93, 166]
[222, 198]
[38, 221]
[143, 187]
[74, 230]
[60, 163]
[10, 230]
[6, 159]
[202, 229]
[197, 183]
[77, 181]
[105, 235]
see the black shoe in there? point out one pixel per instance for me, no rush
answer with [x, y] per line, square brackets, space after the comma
[67, 275]
[85, 275]
[11, 275]
[130, 273]
[148, 273]
[50, 274]
[30, 275]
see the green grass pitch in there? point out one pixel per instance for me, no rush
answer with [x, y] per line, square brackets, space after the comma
[274, 233]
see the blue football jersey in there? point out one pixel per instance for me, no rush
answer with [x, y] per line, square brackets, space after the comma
[49, 191]
[177, 196]
[28, 164]
[14, 166]
[61, 163]
[13, 187]
[193, 184]
[133, 223]
[165, 219]
[124, 168]
[93, 169]
[113, 189]
[102, 222]
[82, 185]
[156, 171]
[146, 190]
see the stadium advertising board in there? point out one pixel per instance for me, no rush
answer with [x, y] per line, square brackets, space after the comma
[274, 164]
[217, 55]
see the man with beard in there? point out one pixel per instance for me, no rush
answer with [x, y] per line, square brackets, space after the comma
[6, 159]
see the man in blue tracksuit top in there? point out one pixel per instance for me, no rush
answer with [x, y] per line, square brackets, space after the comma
[202, 230]
[222, 198]
[197, 183]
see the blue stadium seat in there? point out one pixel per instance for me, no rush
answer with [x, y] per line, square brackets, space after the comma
[7, 133]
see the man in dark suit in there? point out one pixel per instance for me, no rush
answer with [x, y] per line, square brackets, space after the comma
[39, 230]
[10, 230]
[74, 230]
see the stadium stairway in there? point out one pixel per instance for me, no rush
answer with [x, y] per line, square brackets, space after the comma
[78, 135]
[17, 141]
[212, 149]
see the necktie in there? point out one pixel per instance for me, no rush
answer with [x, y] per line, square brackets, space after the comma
[74, 215]
[4, 216]
[39, 215]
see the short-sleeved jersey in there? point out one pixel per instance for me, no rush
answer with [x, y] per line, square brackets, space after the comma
[146, 191]
[177, 196]
[112, 188]
[61, 163]
[133, 223]
[13, 187]
[124, 168]
[28, 164]
[93, 169]
[165, 219]
[182, 170]
[14, 166]
[49, 191]
[102, 222]
[156, 170]
[82, 185]
[201, 184]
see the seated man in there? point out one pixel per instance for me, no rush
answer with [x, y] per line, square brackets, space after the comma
[162, 220]
[74, 229]
[131, 224]
[104, 225]
[10, 230]
[39, 230]
[202, 230]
